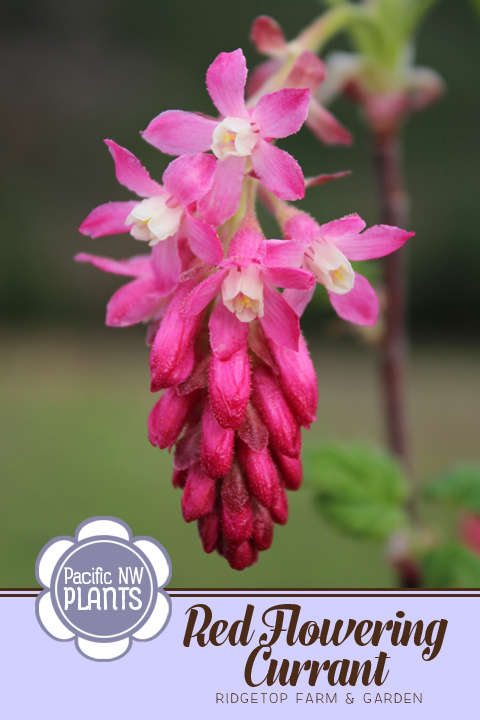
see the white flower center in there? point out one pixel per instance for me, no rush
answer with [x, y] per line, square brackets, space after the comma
[234, 136]
[330, 267]
[242, 292]
[155, 218]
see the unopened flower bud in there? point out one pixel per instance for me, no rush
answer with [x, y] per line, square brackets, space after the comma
[216, 447]
[198, 496]
[229, 388]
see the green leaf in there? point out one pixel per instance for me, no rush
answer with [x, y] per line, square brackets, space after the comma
[358, 488]
[460, 488]
[451, 566]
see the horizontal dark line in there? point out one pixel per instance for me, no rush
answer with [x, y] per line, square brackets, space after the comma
[17, 595]
[320, 595]
[340, 590]
[35, 589]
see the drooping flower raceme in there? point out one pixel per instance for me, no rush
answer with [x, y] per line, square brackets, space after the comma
[223, 303]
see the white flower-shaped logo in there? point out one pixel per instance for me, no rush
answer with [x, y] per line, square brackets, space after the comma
[102, 588]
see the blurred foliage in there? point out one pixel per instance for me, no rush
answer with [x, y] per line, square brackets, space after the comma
[358, 488]
[459, 488]
[451, 566]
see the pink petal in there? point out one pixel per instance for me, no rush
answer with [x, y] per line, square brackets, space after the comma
[360, 305]
[297, 379]
[108, 219]
[281, 113]
[190, 177]
[229, 388]
[261, 74]
[325, 126]
[282, 253]
[279, 513]
[203, 293]
[226, 78]
[176, 132]
[223, 199]
[131, 173]
[166, 265]
[278, 171]
[279, 323]
[290, 277]
[298, 299]
[227, 334]
[375, 242]
[133, 267]
[308, 71]
[203, 239]
[338, 229]
[267, 36]
[301, 227]
[216, 447]
[133, 303]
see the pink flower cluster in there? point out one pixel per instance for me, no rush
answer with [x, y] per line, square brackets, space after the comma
[226, 346]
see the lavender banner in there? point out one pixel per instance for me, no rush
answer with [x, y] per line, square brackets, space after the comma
[393, 653]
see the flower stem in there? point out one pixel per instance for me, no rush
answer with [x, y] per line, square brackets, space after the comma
[387, 152]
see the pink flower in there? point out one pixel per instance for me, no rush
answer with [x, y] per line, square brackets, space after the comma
[245, 280]
[139, 300]
[241, 133]
[326, 250]
[293, 65]
[165, 215]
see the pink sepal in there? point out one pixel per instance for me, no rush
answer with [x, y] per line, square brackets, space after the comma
[108, 219]
[176, 132]
[135, 302]
[209, 530]
[267, 36]
[227, 334]
[262, 531]
[253, 431]
[131, 173]
[360, 305]
[168, 417]
[226, 78]
[279, 322]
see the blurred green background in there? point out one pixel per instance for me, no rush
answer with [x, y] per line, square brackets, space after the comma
[74, 395]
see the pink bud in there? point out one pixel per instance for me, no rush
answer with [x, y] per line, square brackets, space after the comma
[279, 513]
[187, 450]
[167, 418]
[236, 507]
[240, 556]
[216, 447]
[470, 532]
[297, 379]
[274, 410]
[262, 534]
[179, 478]
[209, 529]
[171, 357]
[252, 431]
[261, 474]
[290, 470]
[229, 388]
[198, 496]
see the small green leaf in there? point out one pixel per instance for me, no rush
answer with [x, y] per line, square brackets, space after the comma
[359, 488]
[460, 488]
[451, 566]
